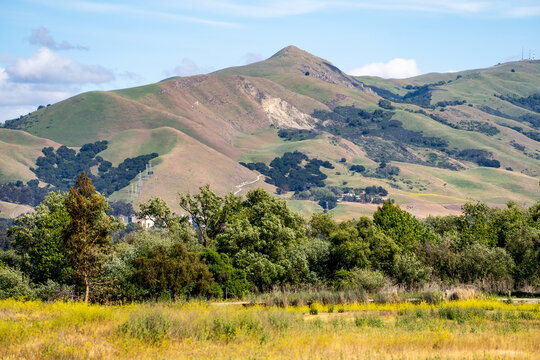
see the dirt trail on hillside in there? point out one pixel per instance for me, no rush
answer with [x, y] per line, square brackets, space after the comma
[245, 183]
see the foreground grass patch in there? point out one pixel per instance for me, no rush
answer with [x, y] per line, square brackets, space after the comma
[480, 329]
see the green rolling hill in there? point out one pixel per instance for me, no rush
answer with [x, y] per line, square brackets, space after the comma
[455, 137]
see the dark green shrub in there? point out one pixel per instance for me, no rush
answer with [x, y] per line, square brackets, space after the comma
[231, 282]
[369, 280]
[171, 269]
[409, 271]
[14, 285]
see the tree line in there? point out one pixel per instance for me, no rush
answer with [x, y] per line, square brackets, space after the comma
[233, 245]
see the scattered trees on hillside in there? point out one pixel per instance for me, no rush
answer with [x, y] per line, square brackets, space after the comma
[293, 171]
[60, 168]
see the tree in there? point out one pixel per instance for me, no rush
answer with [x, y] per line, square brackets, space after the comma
[87, 236]
[39, 239]
[406, 230]
[171, 271]
[176, 226]
[209, 212]
[477, 224]
[264, 238]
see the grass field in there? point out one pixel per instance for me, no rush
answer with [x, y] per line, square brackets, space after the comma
[472, 329]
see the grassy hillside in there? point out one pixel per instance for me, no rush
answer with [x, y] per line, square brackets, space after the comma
[19, 151]
[202, 126]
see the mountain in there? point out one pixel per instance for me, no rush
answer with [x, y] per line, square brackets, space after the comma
[452, 137]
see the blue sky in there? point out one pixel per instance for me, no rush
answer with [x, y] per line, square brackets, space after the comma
[50, 49]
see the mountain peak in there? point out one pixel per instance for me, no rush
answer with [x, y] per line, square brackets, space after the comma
[299, 63]
[294, 52]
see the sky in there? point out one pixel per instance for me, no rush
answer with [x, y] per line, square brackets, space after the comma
[51, 50]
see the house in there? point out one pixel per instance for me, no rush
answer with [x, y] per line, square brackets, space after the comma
[145, 223]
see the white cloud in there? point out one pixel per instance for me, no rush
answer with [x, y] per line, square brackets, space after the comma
[396, 69]
[187, 68]
[45, 66]
[42, 37]
[19, 99]
[44, 78]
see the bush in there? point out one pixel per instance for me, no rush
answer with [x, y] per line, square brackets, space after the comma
[370, 280]
[462, 293]
[409, 271]
[492, 267]
[51, 291]
[432, 297]
[173, 270]
[14, 285]
[385, 104]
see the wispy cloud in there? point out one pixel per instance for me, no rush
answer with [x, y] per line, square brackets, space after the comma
[394, 69]
[146, 11]
[41, 37]
[281, 8]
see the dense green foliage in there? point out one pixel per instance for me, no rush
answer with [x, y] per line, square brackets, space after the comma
[20, 193]
[60, 168]
[40, 237]
[229, 246]
[64, 240]
[293, 171]
[479, 156]
[87, 232]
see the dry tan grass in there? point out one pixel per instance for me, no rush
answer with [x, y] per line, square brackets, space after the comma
[463, 293]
